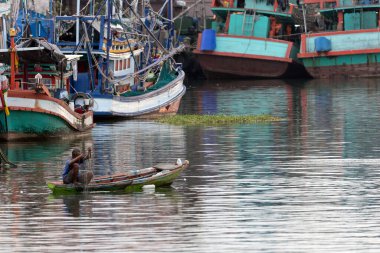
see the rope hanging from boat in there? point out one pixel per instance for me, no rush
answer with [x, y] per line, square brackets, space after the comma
[4, 160]
[135, 74]
[157, 62]
[147, 29]
[15, 7]
[89, 168]
[82, 38]
[88, 2]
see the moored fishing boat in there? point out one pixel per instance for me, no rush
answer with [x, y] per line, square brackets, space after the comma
[250, 38]
[37, 102]
[160, 175]
[128, 72]
[346, 43]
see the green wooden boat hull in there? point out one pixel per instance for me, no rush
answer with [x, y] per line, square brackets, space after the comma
[32, 123]
[159, 175]
[70, 189]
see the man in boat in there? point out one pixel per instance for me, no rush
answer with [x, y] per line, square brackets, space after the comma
[71, 173]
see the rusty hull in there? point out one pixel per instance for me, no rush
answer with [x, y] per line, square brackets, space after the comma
[346, 71]
[215, 66]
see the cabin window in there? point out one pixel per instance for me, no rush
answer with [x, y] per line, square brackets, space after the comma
[125, 64]
[116, 65]
[20, 83]
[129, 63]
[58, 83]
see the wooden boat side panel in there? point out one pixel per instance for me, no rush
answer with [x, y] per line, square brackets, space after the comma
[226, 66]
[162, 179]
[345, 71]
[69, 188]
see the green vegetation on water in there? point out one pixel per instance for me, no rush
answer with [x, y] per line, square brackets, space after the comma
[218, 119]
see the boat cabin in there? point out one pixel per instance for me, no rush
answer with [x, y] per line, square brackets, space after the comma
[39, 62]
[124, 54]
[122, 66]
[262, 19]
[343, 15]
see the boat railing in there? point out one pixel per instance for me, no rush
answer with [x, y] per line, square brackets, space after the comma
[59, 93]
[275, 7]
[327, 4]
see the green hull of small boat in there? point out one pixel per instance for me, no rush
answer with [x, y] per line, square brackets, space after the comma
[71, 188]
[159, 180]
[161, 175]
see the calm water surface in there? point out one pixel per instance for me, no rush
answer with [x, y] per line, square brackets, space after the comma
[307, 184]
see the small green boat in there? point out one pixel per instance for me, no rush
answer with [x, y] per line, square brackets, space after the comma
[160, 175]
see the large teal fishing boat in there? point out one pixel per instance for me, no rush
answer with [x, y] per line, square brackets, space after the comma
[251, 38]
[346, 42]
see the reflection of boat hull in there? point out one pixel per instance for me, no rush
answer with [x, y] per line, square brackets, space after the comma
[38, 115]
[36, 151]
[162, 101]
[159, 175]
[228, 65]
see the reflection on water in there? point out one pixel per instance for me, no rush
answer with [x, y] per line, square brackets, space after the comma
[307, 184]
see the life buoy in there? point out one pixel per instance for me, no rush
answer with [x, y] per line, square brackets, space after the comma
[82, 102]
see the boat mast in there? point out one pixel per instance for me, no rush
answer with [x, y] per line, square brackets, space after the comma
[109, 39]
[25, 18]
[304, 15]
[170, 24]
[51, 8]
[4, 33]
[77, 23]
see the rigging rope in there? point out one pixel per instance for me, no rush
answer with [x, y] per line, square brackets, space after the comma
[135, 74]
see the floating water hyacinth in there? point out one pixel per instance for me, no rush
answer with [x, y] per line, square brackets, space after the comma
[218, 119]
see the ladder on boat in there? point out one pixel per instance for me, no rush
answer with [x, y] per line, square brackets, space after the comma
[246, 21]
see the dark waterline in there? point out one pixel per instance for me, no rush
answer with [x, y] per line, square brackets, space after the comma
[307, 184]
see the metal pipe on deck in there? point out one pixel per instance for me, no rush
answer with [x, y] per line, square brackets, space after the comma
[12, 35]
[304, 15]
